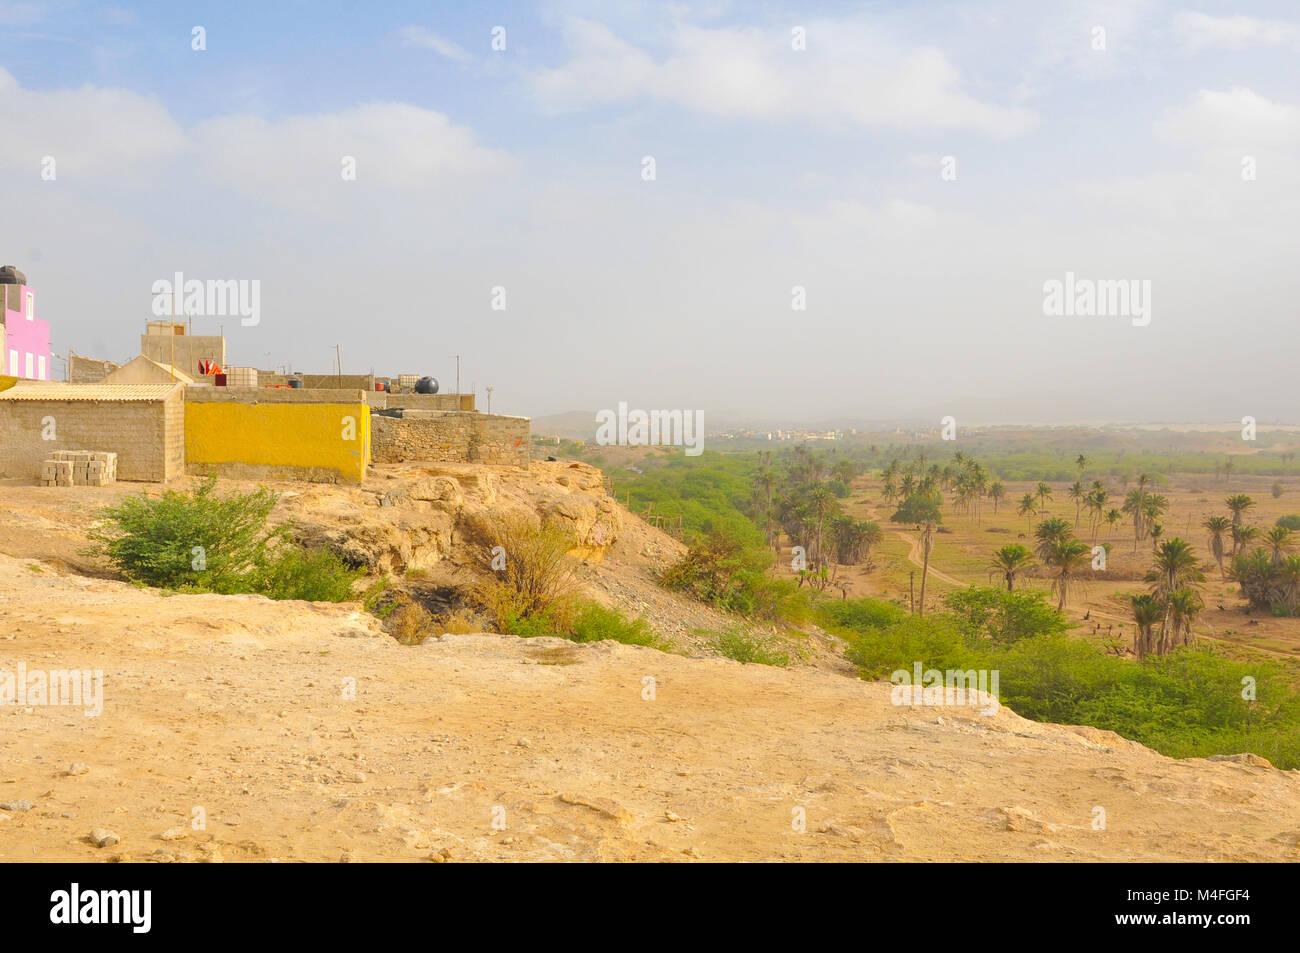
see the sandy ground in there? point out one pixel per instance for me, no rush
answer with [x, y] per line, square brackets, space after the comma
[236, 706]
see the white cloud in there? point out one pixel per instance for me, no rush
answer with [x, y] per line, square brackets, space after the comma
[1234, 119]
[427, 39]
[90, 131]
[297, 161]
[1201, 31]
[847, 74]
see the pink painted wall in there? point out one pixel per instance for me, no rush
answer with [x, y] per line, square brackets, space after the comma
[26, 337]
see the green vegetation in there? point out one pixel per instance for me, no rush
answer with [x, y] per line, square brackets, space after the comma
[728, 571]
[201, 542]
[585, 621]
[1189, 703]
[529, 586]
[749, 647]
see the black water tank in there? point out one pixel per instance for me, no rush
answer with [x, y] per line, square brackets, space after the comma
[295, 383]
[426, 385]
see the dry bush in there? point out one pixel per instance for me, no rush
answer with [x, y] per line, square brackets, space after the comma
[460, 622]
[532, 572]
[409, 624]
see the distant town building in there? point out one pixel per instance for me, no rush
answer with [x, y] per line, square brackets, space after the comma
[143, 370]
[24, 338]
[166, 343]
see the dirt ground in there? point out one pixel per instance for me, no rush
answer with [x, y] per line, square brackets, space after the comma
[236, 728]
[234, 710]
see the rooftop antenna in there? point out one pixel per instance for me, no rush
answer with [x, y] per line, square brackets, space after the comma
[489, 393]
[171, 354]
[457, 357]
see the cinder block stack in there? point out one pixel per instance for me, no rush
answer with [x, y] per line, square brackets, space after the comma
[79, 468]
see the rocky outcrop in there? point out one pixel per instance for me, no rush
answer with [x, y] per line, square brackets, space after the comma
[418, 517]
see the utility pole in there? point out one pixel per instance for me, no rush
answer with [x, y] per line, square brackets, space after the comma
[489, 393]
[338, 358]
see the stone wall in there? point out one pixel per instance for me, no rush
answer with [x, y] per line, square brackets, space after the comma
[147, 436]
[450, 437]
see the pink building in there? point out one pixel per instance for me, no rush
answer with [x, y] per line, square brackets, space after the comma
[24, 339]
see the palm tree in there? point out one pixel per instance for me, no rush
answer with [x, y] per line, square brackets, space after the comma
[1254, 573]
[821, 501]
[1113, 516]
[1028, 507]
[1146, 613]
[1049, 533]
[1154, 507]
[929, 519]
[1076, 493]
[1174, 581]
[1176, 567]
[1044, 494]
[996, 493]
[1010, 561]
[1068, 557]
[1082, 463]
[1217, 525]
[1288, 583]
[1181, 610]
[1133, 503]
[1238, 503]
[1279, 543]
[1241, 535]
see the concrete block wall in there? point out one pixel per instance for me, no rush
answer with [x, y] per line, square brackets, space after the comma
[184, 350]
[450, 437]
[89, 370]
[318, 381]
[317, 436]
[147, 436]
[382, 400]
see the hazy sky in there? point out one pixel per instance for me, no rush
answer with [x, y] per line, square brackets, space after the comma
[1103, 139]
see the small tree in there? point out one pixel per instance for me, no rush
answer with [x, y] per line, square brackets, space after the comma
[195, 539]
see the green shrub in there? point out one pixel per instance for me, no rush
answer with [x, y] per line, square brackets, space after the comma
[726, 569]
[1006, 616]
[1186, 704]
[1291, 521]
[748, 647]
[859, 615]
[585, 621]
[594, 623]
[187, 540]
[201, 542]
[316, 575]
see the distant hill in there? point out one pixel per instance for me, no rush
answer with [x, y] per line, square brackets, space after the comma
[572, 425]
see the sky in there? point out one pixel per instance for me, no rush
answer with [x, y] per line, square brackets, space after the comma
[854, 209]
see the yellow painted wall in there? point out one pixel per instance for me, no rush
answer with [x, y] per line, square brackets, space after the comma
[7, 381]
[289, 440]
